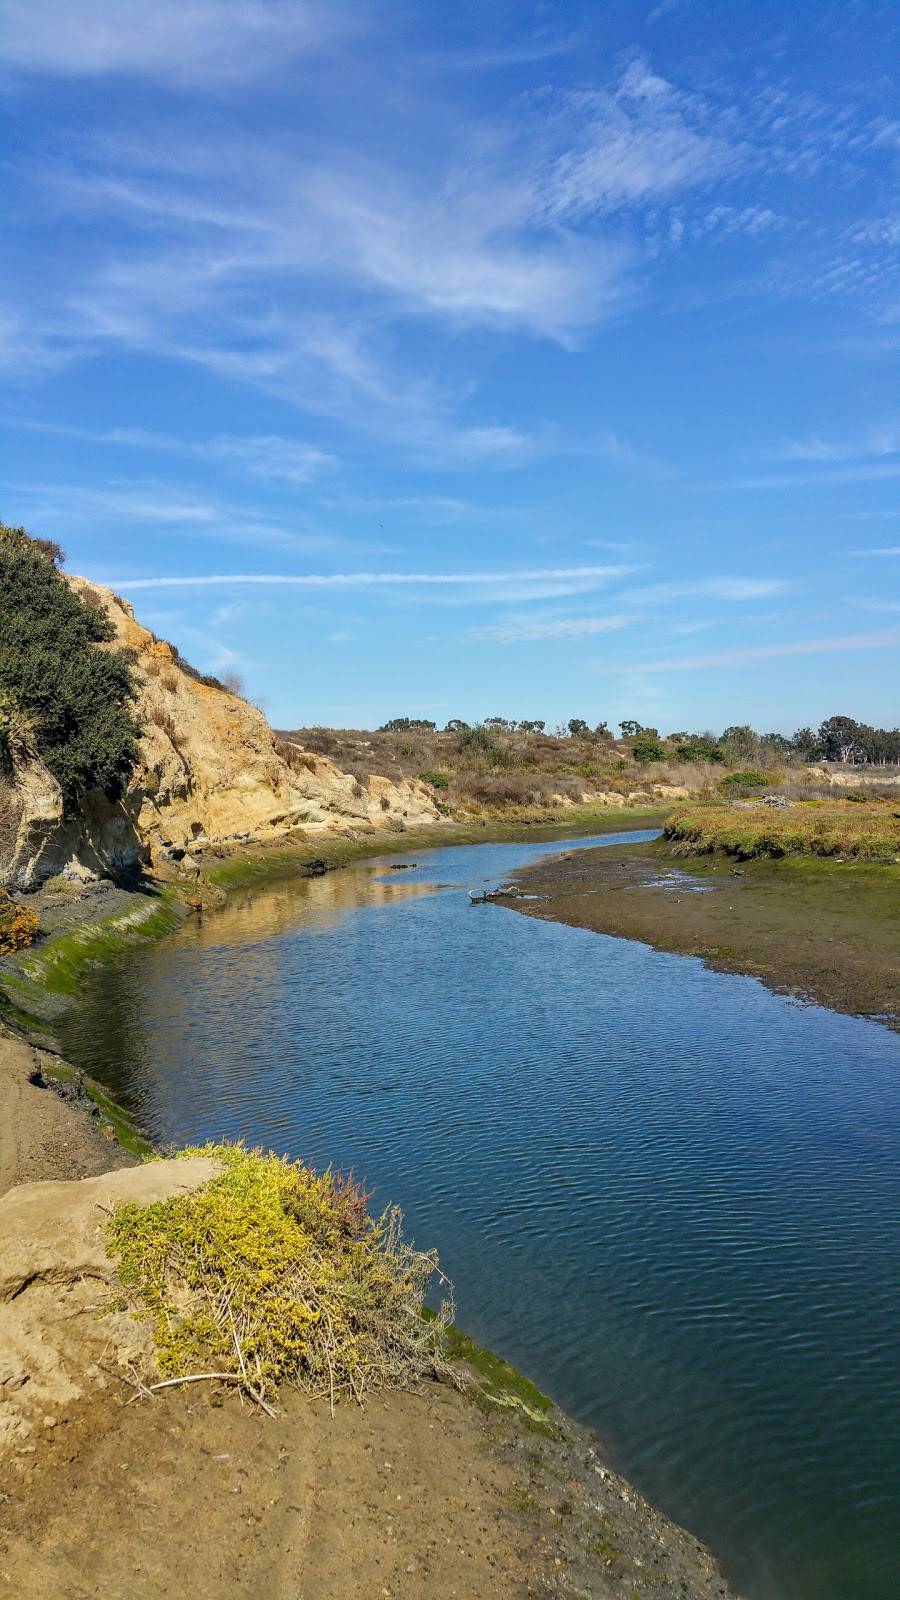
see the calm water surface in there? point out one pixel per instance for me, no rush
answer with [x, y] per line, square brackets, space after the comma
[669, 1195]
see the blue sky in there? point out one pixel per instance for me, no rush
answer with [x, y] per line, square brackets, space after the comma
[509, 358]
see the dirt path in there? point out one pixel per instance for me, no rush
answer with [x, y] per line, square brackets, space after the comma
[415, 1497]
[818, 930]
[193, 1497]
[41, 1136]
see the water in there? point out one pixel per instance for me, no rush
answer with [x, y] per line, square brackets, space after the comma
[668, 1195]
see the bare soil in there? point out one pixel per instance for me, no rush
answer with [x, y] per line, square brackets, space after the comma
[417, 1496]
[823, 931]
[43, 1135]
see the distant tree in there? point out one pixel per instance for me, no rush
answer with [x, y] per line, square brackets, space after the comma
[455, 725]
[806, 744]
[839, 740]
[602, 731]
[534, 726]
[630, 728]
[408, 725]
[886, 746]
[739, 743]
[498, 724]
[578, 728]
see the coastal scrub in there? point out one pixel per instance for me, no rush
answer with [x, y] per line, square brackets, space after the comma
[275, 1273]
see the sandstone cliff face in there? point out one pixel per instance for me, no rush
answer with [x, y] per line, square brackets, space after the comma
[209, 772]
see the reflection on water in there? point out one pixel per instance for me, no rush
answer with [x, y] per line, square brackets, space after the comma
[668, 1194]
[318, 904]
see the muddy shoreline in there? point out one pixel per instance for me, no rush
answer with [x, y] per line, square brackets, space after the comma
[818, 930]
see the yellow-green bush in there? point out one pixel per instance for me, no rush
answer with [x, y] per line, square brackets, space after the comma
[18, 926]
[871, 833]
[273, 1272]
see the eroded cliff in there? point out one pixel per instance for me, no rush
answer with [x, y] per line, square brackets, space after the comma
[209, 771]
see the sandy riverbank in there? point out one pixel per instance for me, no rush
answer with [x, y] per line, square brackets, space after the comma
[816, 929]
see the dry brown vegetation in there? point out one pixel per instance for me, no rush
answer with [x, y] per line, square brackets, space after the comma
[492, 770]
[510, 769]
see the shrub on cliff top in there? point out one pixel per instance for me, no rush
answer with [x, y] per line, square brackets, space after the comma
[273, 1273]
[70, 697]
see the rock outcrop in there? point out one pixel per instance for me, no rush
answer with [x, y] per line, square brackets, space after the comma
[210, 771]
[55, 1274]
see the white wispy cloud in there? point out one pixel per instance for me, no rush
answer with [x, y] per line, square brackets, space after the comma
[726, 589]
[879, 441]
[526, 631]
[58, 506]
[497, 226]
[795, 647]
[270, 457]
[863, 472]
[374, 580]
[878, 550]
[643, 139]
[181, 42]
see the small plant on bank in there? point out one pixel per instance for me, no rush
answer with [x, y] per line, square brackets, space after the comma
[438, 780]
[18, 926]
[274, 1273]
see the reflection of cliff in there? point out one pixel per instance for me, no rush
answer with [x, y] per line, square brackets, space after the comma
[209, 769]
[317, 903]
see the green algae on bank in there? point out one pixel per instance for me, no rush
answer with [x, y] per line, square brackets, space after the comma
[499, 1386]
[122, 1126]
[39, 982]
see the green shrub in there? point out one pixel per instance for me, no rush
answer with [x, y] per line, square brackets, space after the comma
[72, 697]
[646, 749]
[438, 780]
[698, 750]
[753, 778]
[273, 1272]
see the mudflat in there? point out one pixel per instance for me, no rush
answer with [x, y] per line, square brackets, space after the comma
[820, 930]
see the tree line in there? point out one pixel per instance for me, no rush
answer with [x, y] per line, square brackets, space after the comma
[839, 739]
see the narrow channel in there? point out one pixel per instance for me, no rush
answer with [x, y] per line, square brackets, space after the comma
[667, 1194]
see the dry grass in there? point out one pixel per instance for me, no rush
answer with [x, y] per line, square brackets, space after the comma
[867, 831]
[500, 771]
